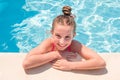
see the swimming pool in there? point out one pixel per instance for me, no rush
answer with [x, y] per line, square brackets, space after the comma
[26, 23]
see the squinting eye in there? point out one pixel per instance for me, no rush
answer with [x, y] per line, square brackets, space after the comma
[67, 37]
[58, 36]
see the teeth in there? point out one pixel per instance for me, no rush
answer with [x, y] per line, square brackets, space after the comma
[61, 45]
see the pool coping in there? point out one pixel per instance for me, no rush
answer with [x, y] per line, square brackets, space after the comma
[11, 69]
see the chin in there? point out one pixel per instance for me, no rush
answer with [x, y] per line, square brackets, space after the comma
[61, 49]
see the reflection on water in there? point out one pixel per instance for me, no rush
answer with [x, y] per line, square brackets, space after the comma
[97, 23]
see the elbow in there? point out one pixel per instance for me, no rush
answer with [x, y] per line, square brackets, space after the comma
[102, 64]
[25, 65]
[27, 62]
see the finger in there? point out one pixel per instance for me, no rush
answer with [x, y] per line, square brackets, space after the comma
[57, 67]
[53, 61]
[56, 64]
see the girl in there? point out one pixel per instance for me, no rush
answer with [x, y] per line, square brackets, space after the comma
[61, 47]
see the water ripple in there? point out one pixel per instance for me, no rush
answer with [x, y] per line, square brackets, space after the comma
[97, 23]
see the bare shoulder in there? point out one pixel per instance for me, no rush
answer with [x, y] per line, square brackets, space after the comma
[46, 42]
[76, 46]
[83, 50]
[43, 47]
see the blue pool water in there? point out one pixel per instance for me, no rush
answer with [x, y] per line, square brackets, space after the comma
[25, 23]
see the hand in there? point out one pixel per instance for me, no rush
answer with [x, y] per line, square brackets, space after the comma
[62, 64]
[58, 54]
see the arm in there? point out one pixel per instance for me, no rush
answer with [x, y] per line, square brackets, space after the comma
[38, 60]
[39, 55]
[92, 59]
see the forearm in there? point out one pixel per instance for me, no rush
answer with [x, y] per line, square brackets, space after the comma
[38, 60]
[87, 65]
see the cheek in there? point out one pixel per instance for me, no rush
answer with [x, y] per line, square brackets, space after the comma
[69, 42]
[55, 40]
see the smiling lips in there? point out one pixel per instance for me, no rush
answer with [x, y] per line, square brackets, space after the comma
[61, 45]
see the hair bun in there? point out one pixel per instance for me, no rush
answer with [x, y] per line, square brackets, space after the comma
[66, 10]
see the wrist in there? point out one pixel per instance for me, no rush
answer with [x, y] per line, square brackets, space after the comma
[72, 67]
[55, 54]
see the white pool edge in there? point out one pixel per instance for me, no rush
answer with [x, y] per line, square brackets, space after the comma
[11, 69]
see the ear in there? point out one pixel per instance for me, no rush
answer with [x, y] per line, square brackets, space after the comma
[74, 34]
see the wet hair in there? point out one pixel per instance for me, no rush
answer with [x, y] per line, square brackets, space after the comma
[66, 19]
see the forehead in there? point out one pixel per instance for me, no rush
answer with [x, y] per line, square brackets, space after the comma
[63, 29]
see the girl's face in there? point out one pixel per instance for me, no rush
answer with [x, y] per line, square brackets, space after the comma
[62, 36]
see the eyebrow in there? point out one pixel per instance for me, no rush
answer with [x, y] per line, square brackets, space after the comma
[59, 34]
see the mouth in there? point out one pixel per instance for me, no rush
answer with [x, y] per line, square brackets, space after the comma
[61, 45]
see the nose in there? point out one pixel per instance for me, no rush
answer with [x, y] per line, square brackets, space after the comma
[62, 41]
